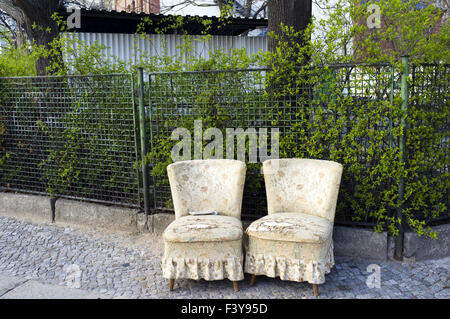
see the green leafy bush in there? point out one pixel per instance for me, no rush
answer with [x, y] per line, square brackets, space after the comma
[350, 113]
[347, 116]
[71, 136]
[17, 62]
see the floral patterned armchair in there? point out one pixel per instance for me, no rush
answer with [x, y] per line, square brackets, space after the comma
[294, 241]
[199, 245]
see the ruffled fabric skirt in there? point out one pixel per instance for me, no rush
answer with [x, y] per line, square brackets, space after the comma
[203, 260]
[289, 260]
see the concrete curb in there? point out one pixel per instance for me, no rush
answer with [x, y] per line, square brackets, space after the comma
[348, 241]
[28, 206]
[423, 248]
[96, 215]
[360, 243]
[70, 211]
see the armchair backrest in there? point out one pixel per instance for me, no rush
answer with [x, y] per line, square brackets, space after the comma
[302, 186]
[213, 184]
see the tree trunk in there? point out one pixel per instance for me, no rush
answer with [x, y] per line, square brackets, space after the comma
[39, 14]
[36, 19]
[20, 37]
[43, 38]
[295, 13]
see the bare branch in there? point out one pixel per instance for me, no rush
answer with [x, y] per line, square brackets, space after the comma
[11, 10]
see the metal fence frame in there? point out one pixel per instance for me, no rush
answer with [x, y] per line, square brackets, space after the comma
[92, 116]
[395, 83]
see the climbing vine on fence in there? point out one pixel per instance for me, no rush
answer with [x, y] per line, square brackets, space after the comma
[71, 136]
[349, 113]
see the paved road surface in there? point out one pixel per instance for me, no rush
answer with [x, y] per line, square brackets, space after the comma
[48, 261]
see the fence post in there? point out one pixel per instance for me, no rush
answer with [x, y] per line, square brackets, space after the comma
[150, 106]
[143, 139]
[404, 93]
[391, 100]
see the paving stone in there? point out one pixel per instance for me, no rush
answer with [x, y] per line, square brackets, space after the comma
[118, 266]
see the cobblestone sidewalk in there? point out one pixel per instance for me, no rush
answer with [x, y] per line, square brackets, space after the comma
[128, 266]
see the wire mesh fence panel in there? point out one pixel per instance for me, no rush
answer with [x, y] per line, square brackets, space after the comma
[346, 113]
[428, 141]
[177, 100]
[70, 136]
[357, 127]
[75, 136]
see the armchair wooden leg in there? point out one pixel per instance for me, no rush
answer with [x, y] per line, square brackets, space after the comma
[316, 290]
[252, 280]
[171, 283]
[235, 286]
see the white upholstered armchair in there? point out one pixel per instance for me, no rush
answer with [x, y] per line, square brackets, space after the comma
[294, 241]
[199, 245]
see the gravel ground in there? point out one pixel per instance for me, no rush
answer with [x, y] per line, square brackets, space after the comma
[124, 265]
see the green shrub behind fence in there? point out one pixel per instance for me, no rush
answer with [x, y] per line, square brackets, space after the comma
[351, 114]
[75, 136]
[71, 136]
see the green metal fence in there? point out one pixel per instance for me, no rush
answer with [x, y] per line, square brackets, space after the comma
[429, 91]
[333, 100]
[77, 136]
[177, 99]
[69, 136]
[241, 100]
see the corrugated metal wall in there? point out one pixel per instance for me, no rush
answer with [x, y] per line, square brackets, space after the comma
[128, 47]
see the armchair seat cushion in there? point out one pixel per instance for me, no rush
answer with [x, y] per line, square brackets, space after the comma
[292, 227]
[203, 228]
